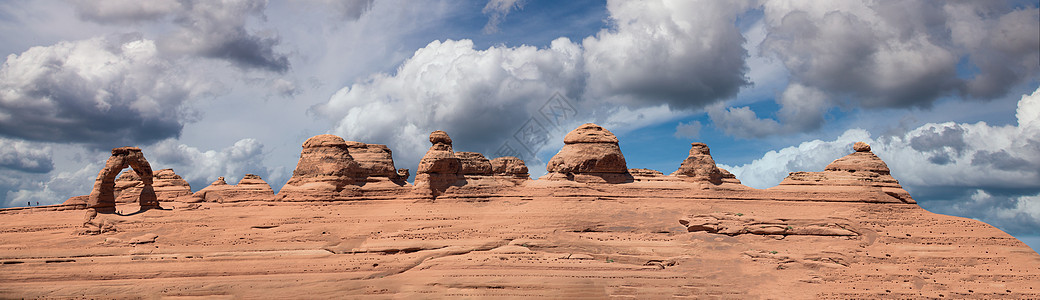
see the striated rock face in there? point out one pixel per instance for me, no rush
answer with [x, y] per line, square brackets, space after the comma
[699, 165]
[509, 166]
[377, 161]
[103, 198]
[325, 169]
[474, 163]
[251, 187]
[590, 154]
[645, 172]
[861, 172]
[169, 186]
[439, 168]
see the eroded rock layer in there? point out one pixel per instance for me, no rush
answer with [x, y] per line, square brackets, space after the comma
[250, 188]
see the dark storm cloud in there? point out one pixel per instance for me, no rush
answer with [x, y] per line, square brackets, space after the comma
[889, 54]
[103, 92]
[212, 29]
[937, 139]
[902, 53]
[684, 54]
[25, 157]
[1001, 160]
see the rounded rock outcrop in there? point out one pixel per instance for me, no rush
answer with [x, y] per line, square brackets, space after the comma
[590, 154]
[325, 168]
[699, 165]
[509, 165]
[474, 163]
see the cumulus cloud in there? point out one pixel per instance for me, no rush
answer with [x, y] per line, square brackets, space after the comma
[659, 58]
[497, 10]
[201, 167]
[477, 96]
[106, 91]
[890, 54]
[24, 156]
[686, 54]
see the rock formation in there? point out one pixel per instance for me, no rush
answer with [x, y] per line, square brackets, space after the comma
[439, 168]
[251, 187]
[473, 163]
[509, 166]
[490, 236]
[103, 199]
[639, 172]
[700, 166]
[170, 186]
[377, 161]
[325, 171]
[861, 173]
[590, 154]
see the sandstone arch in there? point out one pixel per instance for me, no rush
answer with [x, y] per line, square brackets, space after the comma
[102, 197]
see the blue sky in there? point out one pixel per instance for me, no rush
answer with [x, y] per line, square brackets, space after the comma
[943, 91]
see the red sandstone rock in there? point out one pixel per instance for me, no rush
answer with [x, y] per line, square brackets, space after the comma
[474, 163]
[699, 165]
[439, 168]
[377, 161]
[251, 187]
[645, 172]
[325, 169]
[103, 199]
[169, 186]
[590, 154]
[509, 166]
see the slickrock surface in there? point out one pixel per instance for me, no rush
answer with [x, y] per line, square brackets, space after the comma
[590, 154]
[250, 188]
[591, 240]
[859, 172]
[844, 233]
[325, 171]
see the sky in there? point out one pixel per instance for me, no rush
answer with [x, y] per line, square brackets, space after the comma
[946, 92]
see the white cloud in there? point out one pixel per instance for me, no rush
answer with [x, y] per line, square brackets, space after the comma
[661, 60]
[497, 10]
[683, 53]
[887, 55]
[101, 91]
[690, 130]
[200, 168]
